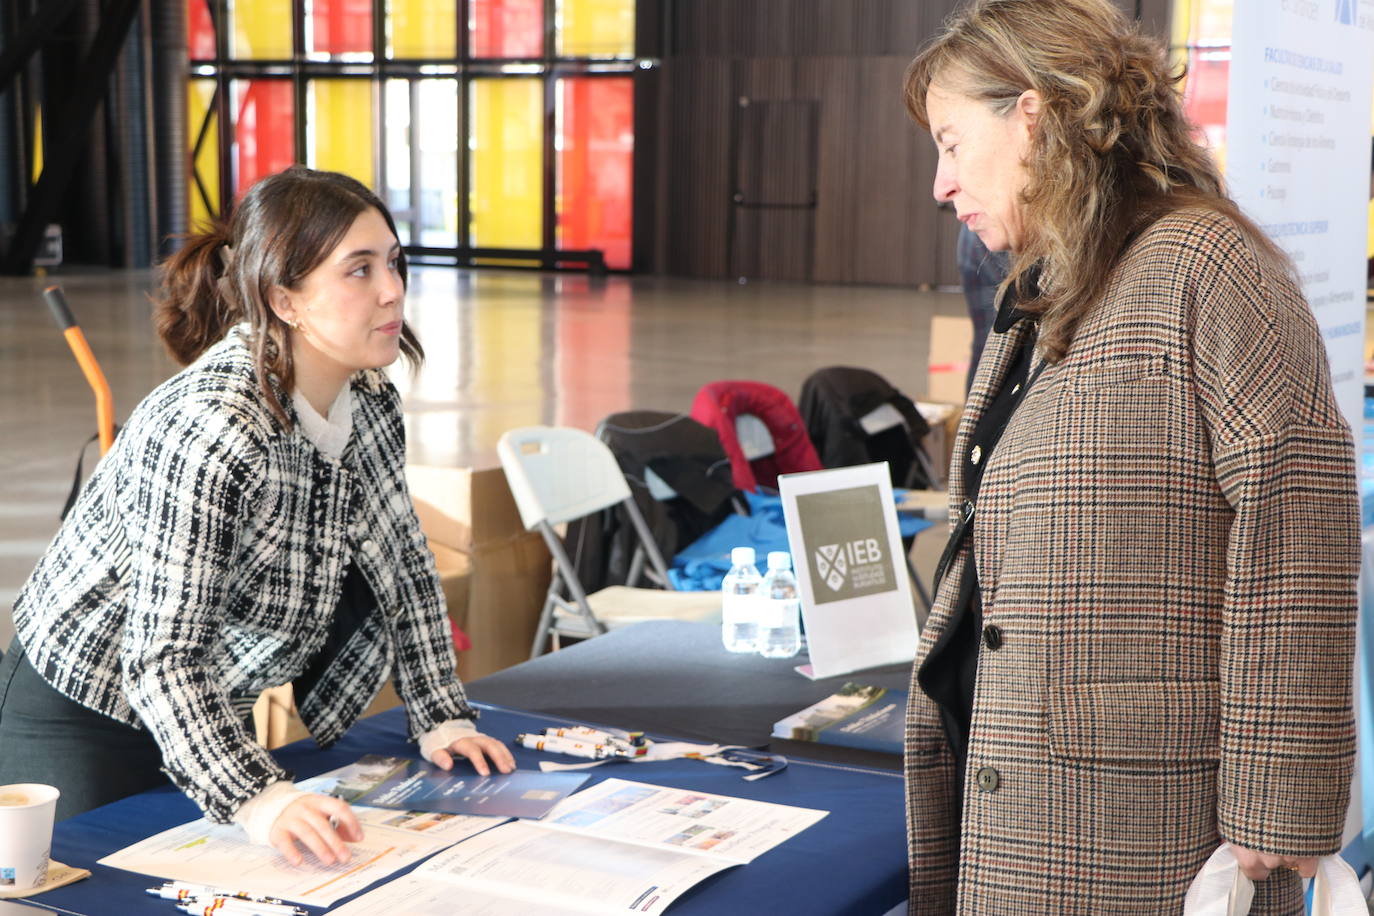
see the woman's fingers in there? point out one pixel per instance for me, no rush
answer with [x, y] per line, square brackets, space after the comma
[319, 823]
[1307, 868]
[346, 823]
[1258, 865]
[442, 759]
[284, 843]
[470, 749]
[478, 748]
[500, 755]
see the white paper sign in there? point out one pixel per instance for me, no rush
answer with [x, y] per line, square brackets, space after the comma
[851, 572]
[1297, 159]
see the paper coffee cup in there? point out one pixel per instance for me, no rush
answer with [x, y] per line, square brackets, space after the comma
[26, 815]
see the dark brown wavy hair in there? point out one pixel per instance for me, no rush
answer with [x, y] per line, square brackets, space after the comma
[1111, 149]
[285, 226]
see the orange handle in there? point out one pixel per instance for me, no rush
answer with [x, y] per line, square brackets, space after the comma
[104, 400]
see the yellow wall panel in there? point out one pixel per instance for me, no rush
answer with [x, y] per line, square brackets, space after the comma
[262, 29]
[507, 174]
[199, 96]
[424, 28]
[596, 28]
[341, 128]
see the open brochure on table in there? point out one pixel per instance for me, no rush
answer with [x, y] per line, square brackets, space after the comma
[204, 853]
[616, 847]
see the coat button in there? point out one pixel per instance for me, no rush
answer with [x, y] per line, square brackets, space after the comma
[992, 636]
[989, 779]
[976, 455]
[368, 546]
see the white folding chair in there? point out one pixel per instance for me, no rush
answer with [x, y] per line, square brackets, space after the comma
[556, 475]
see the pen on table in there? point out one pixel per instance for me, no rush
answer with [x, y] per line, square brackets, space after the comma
[577, 748]
[181, 890]
[233, 906]
[632, 739]
[564, 746]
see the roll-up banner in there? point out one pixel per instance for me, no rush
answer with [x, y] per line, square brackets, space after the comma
[1298, 162]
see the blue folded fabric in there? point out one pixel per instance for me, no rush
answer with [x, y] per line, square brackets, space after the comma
[701, 565]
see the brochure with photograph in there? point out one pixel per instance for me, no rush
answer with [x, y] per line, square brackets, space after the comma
[413, 785]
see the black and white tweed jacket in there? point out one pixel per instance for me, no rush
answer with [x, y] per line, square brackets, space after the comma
[203, 562]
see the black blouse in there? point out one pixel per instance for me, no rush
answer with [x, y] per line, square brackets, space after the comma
[948, 673]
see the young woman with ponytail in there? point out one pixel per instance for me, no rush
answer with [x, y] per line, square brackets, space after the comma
[250, 527]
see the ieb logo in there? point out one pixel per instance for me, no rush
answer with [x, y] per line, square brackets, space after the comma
[844, 533]
[1345, 12]
[832, 565]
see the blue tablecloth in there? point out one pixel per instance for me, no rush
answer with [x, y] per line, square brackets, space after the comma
[852, 862]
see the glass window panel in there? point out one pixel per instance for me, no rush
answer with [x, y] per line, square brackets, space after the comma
[596, 28]
[204, 184]
[264, 130]
[595, 166]
[262, 29]
[506, 28]
[423, 28]
[200, 30]
[1209, 22]
[396, 137]
[422, 176]
[437, 183]
[340, 127]
[507, 163]
[340, 28]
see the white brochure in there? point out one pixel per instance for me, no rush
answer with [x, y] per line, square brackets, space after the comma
[204, 853]
[219, 855]
[617, 847]
[851, 571]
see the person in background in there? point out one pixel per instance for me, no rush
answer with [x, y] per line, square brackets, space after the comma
[1144, 624]
[980, 273]
[250, 527]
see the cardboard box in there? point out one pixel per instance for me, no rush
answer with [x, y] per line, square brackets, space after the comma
[943, 420]
[471, 515]
[494, 575]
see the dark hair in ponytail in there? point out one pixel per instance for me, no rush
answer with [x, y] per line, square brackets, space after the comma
[284, 227]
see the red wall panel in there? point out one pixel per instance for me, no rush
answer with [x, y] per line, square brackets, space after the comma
[595, 166]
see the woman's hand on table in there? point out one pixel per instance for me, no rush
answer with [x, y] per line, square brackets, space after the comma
[477, 748]
[320, 823]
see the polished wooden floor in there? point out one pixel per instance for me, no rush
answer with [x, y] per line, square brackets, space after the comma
[505, 349]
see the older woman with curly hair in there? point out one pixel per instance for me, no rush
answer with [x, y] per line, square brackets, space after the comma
[1143, 632]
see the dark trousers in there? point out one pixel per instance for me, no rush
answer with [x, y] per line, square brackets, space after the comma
[47, 738]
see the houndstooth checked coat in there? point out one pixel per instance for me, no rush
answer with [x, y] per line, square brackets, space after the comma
[203, 562]
[1167, 536]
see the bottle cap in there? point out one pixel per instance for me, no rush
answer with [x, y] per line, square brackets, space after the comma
[742, 556]
[779, 559]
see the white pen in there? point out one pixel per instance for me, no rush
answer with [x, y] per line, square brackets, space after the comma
[234, 906]
[181, 890]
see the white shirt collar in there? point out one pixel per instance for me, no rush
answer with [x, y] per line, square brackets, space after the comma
[329, 435]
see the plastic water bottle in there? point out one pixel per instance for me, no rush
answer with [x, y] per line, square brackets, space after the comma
[780, 610]
[739, 604]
